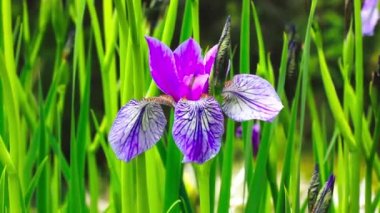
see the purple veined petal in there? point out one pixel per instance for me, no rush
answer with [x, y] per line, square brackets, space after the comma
[188, 58]
[163, 69]
[137, 127]
[198, 129]
[249, 97]
[370, 17]
[195, 85]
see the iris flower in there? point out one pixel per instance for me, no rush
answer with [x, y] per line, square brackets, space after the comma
[370, 16]
[184, 76]
[255, 138]
[319, 199]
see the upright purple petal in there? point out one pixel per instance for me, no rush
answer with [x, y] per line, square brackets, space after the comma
[250, 97]
[210, 59]
[195, 86]
[188, 58]
[137, 127]
[370, 16]
[163, 69]
[209, 63]
[198, 129]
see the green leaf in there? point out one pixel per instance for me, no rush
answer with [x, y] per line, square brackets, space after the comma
[34, 181]
[5, 157]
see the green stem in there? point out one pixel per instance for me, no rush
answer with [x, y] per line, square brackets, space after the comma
[8, 74]
[173, 168]
[93, 181]
[142, 204]
[170, 19]
[355, 180]
[368, 184]
[228, 152]
[195, 19]
[128, 188]
[359, 106]
[204, 186]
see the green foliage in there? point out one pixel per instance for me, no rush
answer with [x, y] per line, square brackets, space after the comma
[66, 67]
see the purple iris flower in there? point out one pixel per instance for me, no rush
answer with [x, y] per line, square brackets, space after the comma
[370, 16]
[183, 75]
[255, 138]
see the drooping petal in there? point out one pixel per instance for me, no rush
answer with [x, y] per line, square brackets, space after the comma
[188, 58]
[195, 85]
[137, 127]
[198, 129]
[163, 69]
[250, 97]
[324, 197]
[370, 16]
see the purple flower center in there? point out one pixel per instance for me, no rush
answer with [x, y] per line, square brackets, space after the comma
[182, 73]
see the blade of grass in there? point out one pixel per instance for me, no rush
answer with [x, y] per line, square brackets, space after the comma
[173, 170]
[5, 157]
[186, 31]
[3, 191]
[359, 81]
[42, 192]
[330, 91]
[228, 150]
[8, 73]
[195, 19]
[244, 67]
[262, 68]
[170, 20]
[33, 183]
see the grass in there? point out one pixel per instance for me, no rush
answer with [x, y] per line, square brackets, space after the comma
[54, 153]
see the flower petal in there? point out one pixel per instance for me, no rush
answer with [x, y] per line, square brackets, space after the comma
[255, 138]
[137, 127]
[370, 16]
[210, 59]
[198, 129]
[250, 97]
[196, 85]
[188, 58]
[209, 63]
[162, 68]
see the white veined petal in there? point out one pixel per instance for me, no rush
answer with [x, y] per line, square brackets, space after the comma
[249, 97]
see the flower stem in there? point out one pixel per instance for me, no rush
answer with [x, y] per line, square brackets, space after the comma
[204, 186]
[142, 204]
[359, 79]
